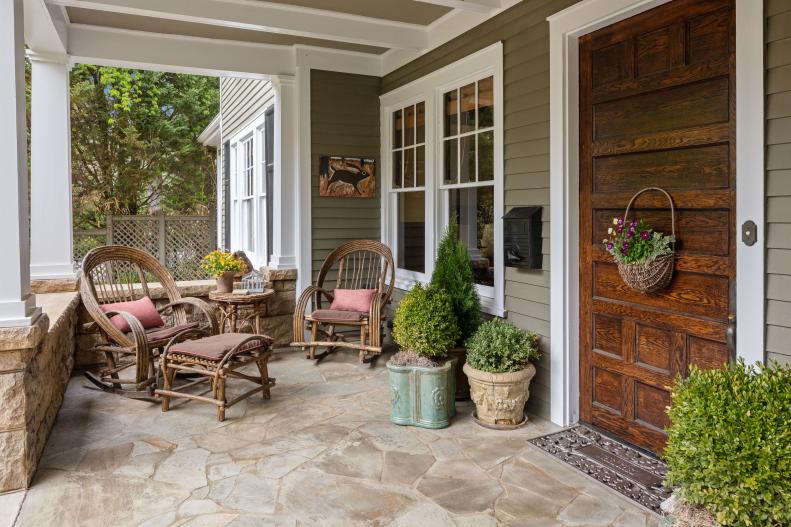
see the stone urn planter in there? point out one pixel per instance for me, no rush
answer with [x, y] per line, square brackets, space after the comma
[424, 397]
[500, 397]
[225, 282]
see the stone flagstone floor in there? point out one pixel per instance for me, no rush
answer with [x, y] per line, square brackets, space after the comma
[320, 452]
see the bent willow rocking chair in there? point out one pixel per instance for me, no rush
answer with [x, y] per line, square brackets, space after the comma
[113, 281]
[362, 266]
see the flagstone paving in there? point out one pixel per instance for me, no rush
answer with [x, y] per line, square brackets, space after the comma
[320, 452]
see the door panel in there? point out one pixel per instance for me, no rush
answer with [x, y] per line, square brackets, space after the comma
[656, 109]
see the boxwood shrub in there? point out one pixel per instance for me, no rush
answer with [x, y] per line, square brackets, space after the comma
[425, 323]
[499, 347]
[729, 443]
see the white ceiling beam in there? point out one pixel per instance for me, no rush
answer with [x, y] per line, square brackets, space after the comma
[480, 6]
[179, 54]
[271, 17]
[46, 28]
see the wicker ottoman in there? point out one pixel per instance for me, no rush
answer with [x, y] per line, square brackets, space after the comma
[214, 359]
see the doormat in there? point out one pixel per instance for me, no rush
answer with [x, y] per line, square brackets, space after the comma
[623, 468]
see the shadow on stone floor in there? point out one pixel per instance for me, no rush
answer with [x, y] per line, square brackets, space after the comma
[320, 452]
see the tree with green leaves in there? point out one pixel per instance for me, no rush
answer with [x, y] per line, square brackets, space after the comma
[452, 272]
[134, 142]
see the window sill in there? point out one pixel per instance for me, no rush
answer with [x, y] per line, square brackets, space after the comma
[488, 304]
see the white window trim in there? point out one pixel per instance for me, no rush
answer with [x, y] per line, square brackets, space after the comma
[256, 131]
[483, 63]
[565, 29]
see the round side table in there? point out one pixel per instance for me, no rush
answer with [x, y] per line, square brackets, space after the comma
[229, 304]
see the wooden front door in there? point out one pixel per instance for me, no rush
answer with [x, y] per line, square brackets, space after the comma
[657, 108]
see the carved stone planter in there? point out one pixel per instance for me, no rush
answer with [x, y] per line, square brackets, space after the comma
[500, 397]
[424, 397]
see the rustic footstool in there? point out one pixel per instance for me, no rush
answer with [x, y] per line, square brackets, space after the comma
[214, 359]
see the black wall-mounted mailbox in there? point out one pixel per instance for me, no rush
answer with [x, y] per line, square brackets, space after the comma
[522, 237]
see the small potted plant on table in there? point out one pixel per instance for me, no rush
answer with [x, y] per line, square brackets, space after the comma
[422, 379]
[222, 266]
[453, 274]
[499, 370]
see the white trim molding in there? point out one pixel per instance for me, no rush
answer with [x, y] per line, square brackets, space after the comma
[565, 28]
[430, 90]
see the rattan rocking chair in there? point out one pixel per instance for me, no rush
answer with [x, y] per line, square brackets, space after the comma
[116, 273]
[360, 264]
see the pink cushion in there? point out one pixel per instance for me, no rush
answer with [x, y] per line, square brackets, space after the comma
[143, 310]
[353, 300]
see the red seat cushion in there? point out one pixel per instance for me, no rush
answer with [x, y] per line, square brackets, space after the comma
[142, 309]
[215, 347]
[335, 315]
[353, 299]
[169, 332]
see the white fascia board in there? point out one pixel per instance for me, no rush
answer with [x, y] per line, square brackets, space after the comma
[271, 17]
[179, 54]
[441, 31]
[46, 29]
[343, 61]
[481, 6]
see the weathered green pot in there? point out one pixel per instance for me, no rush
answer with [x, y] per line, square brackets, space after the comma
[424, 397]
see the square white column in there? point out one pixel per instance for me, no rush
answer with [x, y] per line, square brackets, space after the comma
[285, 213]
[50, 166]
[17, 304]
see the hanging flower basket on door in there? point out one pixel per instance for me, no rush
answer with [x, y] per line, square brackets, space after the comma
[645, 257]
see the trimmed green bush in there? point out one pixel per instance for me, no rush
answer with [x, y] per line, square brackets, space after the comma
[452, 272]
[425, 323]
[729, 443]
[499, 347]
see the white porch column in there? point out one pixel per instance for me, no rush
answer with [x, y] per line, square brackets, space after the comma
[50, 165]
[286, 175]
[17, 304]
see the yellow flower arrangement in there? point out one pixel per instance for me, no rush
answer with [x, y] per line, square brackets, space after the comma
[217, 262]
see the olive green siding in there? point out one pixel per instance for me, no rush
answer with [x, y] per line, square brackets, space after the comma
[344, 110]
[524, 32]
[778, 180]
[241, 101]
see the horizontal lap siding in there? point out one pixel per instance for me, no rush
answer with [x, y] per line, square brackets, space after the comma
[344, 112]
[525, 35]
[778, 180]
[242, 101]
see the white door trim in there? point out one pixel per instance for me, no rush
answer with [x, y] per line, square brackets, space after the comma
[565, 28]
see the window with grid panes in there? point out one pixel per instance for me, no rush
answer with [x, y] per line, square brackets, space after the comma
[408, 185]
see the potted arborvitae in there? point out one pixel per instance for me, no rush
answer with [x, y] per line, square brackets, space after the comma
[499, 369]
[452, 272]
[422, 379]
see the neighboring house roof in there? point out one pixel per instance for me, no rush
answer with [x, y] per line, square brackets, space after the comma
[210, 136]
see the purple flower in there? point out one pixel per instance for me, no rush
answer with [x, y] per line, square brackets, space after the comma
[620, 221]
[644, 235]
[630, 233]
[609, 246]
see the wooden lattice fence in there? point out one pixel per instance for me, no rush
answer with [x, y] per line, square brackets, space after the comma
[178, 242]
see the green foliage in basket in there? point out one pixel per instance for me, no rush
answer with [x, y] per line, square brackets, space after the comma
[729, 443]
[636, 242]
[217, 262]
[452, 272]
[499, 347]
[425, 323]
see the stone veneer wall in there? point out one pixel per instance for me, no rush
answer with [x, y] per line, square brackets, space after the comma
[35, 366]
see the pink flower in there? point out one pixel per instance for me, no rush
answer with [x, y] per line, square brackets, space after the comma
[644, 235]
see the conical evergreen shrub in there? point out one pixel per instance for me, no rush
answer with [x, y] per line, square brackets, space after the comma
[452, 272]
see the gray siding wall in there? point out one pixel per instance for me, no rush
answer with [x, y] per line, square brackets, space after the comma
[241, 101]
[344, 112]
[525, 35]
[778, 180]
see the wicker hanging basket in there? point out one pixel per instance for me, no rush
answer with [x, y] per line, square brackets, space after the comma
[656, 274]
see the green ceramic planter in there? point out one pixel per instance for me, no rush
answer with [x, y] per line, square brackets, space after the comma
[424, 397]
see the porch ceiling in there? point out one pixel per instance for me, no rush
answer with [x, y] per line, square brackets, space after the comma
[359, 36]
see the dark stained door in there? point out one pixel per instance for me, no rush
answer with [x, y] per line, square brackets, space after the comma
[657, 108]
